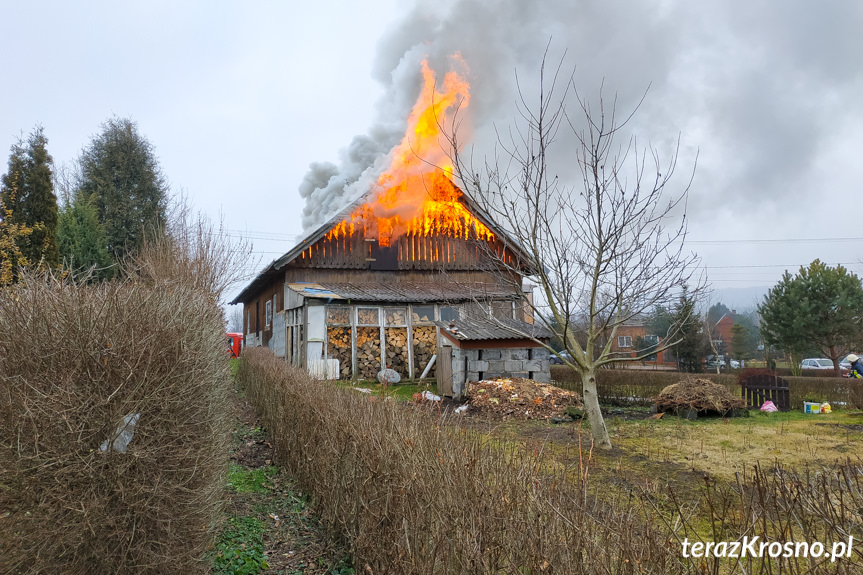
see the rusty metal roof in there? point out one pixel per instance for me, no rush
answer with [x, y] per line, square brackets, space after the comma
[474, 328]
[404, 292]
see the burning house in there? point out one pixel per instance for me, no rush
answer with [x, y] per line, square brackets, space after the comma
[375, 285]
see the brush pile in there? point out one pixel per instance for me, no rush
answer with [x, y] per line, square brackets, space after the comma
[701, 395]
[519, 398]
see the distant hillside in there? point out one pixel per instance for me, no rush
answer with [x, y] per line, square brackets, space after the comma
[740, 299]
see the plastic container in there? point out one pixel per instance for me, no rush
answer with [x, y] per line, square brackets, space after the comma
[811, 407]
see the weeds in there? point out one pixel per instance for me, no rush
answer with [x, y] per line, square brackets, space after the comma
[242, 480]
[240, 548]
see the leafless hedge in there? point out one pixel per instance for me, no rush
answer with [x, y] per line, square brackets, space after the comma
[411, 492]
[638, 387]
[75, 360]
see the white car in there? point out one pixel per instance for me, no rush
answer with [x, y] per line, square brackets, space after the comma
[817, 363]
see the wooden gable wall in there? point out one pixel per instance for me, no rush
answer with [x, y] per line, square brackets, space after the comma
[408, 252]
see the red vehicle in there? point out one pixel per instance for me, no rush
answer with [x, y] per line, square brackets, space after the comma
[235, 344]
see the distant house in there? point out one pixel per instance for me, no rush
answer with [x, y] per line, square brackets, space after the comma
[721, 332]
[628, 337]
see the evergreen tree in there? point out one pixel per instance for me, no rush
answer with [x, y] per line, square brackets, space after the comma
[740, 342]
[12, 235]
[818, 308]
[33, 205]
[120, 172]
[715, 313]
[691, 348]
[82, 238]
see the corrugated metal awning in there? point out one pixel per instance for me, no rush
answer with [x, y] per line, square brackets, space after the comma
[403, 292]
[474, 328]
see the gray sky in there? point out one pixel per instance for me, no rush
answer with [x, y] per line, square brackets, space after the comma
[239, 99]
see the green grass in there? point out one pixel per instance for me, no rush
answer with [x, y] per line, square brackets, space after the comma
[240, 548]
[402, 391]
[242, 480]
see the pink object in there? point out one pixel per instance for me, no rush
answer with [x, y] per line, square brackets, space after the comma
[769, 406]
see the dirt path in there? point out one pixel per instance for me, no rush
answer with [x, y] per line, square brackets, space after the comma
[269, 527]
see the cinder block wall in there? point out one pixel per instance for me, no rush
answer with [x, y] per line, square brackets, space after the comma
[477, 364]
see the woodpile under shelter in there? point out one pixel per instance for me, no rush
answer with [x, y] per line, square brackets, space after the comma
[355, 296]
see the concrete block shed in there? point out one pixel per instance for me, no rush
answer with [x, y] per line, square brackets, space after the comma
[477, 348]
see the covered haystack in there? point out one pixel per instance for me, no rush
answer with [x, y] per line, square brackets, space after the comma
[519, 398]
[701, 395]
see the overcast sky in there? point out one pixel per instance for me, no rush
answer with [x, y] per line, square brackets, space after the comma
[247, 102]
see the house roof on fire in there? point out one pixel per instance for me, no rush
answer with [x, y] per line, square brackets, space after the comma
[273, 268]
[478, 328]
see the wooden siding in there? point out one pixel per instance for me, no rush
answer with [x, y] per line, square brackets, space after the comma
[409, 252]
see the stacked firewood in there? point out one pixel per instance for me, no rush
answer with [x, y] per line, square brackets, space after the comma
[339, 339]
[425, 345]
[397, 350]
[368, 352]
[395, 317]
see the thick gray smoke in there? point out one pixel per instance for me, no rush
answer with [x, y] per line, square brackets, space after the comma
[763, 89]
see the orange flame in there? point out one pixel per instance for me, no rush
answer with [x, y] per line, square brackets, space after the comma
[416, 195]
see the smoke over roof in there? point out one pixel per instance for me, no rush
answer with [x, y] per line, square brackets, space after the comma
[768, 92]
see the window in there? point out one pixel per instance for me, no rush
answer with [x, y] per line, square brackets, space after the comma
[422, 314]
[268, 313]
[624, 341]
[448, 313]
[368, 316]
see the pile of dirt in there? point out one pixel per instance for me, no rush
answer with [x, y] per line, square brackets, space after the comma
[700, 395]
[519, 398]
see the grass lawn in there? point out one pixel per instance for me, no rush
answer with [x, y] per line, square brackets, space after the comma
[723, 447]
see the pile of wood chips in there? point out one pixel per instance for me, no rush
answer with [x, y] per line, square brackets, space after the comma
[700, 395]
[519, 398]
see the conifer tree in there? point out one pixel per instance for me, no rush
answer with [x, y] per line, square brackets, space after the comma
[27, 194]
[119, 171]
[82, 240]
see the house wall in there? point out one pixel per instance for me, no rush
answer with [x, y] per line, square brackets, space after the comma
[633, 332]
[493, 362]
[254, 311]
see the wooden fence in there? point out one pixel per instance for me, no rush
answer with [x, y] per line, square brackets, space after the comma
[756, 389]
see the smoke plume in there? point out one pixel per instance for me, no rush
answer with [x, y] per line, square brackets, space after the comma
[759, 88]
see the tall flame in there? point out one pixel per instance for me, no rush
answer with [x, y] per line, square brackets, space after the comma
[416, 195]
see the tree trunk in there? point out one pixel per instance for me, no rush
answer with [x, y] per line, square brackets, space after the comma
[594, 415]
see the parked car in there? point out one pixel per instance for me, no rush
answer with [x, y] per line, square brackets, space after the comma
[555, 360]
[845, 364]
[712, 362]
[816, 363]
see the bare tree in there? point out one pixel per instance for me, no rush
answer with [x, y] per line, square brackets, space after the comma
[603, 252]
[234, 314]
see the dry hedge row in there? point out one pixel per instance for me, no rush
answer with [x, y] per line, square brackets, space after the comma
[638, 387]
[411, 492]
[74, 361]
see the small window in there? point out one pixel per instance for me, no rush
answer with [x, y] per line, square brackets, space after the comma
[368, 316]
[395, 316]
[268, 313]
[448, 313]
[422, 314]
[338, 315]
[501, 309]
[624, 341]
